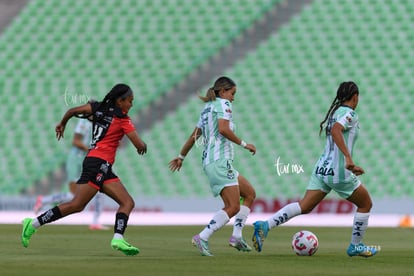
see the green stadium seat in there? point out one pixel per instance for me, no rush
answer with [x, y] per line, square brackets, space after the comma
[285, 85]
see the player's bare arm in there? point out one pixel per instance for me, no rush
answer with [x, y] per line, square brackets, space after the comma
[177, 162]
[338, 138]
[224, 129]
[137, 142]
[78, 110]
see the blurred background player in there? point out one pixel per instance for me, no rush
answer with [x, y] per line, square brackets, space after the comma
[80, 146]
[335, 170]
[110, 123]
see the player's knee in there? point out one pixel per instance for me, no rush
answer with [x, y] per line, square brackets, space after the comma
[233, 210]
[132, 204]
[251, 196]
[128, 203]
[367, 206]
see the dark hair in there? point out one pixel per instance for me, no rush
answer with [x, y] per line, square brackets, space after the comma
[221, 83]
[345, 92]
[108, 104]
[86, 116]
[120, 90]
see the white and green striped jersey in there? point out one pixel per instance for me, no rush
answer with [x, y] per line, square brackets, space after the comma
[84, 128]
[331, 165]
[216, 146]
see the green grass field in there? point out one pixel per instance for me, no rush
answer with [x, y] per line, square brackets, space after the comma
[167, 250]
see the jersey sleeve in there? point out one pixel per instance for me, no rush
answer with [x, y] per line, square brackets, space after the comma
[348, 120]
[225, 110]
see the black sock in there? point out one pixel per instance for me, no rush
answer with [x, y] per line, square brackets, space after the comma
[121, 221]
[49, 216]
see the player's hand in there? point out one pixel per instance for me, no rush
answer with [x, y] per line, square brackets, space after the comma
[349, 164]
[251, 148]
[175, 164]
[142, 150]
[358, 170]
[60, 129]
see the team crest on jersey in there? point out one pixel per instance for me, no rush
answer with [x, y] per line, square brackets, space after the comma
[230, 174]
[228, 110]
[99, 177]
[104, 167]
[349, 119]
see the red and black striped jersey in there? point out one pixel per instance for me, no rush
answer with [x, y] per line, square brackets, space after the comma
[107, 133]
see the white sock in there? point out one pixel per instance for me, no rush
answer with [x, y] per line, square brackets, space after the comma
[240, 221]
[219, 220]
[36, 223]
[359, 227]
[97, 209]
[283, 215]
[118, 236]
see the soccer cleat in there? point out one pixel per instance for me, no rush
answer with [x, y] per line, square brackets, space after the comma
[123, 246]
[27, 231]
[361, 250]
[98, 227]
[38, 204]
[201, 245]
[240, 244]
[261, 228]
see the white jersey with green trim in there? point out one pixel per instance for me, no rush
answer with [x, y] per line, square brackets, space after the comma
[216, 146]
[331, 165]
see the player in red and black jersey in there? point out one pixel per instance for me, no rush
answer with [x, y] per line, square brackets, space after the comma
[110, 123]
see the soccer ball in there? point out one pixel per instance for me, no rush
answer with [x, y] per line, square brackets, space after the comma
[305, 243]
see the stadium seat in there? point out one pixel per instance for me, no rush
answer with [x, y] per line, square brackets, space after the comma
[285, 86]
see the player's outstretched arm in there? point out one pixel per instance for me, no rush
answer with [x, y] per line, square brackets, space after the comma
[77, 110]
[177, 162]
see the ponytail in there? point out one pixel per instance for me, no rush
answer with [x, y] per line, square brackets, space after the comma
[213, 92]
[86, 116]
[344, 93]
[210, 95]
[334, 106]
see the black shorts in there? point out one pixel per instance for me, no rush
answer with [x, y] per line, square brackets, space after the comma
[96, 172]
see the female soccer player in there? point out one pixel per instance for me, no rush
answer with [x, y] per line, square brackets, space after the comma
[335, 170]
[110, 123]
[216, 126]
[80, 147]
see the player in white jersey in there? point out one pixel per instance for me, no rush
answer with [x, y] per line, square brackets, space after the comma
[216, 127]
[80, 146]
[335, 170]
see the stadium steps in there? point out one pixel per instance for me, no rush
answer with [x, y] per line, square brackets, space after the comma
[54, 49]
[286, 86]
